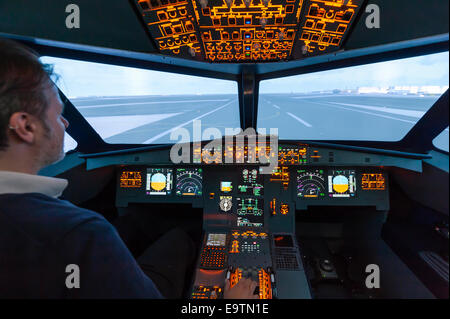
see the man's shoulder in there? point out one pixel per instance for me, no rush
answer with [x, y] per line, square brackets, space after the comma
[44, 218]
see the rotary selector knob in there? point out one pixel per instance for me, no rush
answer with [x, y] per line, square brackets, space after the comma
[225, 204]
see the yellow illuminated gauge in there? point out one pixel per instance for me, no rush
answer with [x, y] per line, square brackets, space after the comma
[311, 184]
[159, 181]
[341, 183]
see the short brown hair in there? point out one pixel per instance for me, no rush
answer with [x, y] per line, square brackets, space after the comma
[23, 80]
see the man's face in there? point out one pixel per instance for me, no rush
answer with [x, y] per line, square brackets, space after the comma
[53, 140]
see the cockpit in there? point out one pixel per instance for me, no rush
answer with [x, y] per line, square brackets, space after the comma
[300, 143]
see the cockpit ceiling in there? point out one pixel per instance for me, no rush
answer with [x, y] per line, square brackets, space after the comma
[248, 30]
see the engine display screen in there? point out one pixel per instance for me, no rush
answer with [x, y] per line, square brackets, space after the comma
[158, 181]
[341, 183]
[189, 182]
[250, 212]
[251, 183]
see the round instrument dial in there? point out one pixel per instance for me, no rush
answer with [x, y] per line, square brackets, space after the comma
[189, 182]
[311, 184]
[225, 203]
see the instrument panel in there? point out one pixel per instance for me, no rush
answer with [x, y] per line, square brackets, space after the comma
[246, 193]
[249, 214]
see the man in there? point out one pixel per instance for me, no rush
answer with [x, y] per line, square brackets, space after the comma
[45, 243]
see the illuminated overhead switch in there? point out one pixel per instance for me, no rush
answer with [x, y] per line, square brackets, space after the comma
[335, 41]
[162, 16]
[192, 38]
[206, 11]
[206, 36]
[231, 21]
[341, 28]
[320, 25]
[248, 20]
[168, 30]
[284, 209]
[144, 5]
[189, 26]
[290, 8]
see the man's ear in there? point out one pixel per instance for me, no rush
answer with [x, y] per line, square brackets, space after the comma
[24, 126]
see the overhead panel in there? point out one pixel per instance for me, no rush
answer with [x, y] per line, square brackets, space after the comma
[248, 30]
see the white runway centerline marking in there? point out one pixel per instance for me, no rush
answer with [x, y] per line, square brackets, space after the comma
[139, 103]
[113, 125]
[364, 112]
[276, 106]
[411, 113]
[154, 138]
[299, 119]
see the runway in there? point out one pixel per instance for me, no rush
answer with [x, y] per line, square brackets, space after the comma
[151, 119]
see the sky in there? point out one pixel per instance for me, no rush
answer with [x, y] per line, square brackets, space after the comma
[81, 79]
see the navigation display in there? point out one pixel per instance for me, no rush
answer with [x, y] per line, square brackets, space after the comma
[311, 183]
[158, 181]
[250, 212]
[189, 182]
[341, 183]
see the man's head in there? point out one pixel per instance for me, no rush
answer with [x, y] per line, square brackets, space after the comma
[31, 124]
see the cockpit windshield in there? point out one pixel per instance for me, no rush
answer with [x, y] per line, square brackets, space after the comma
[135, 106]
[373, 102]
